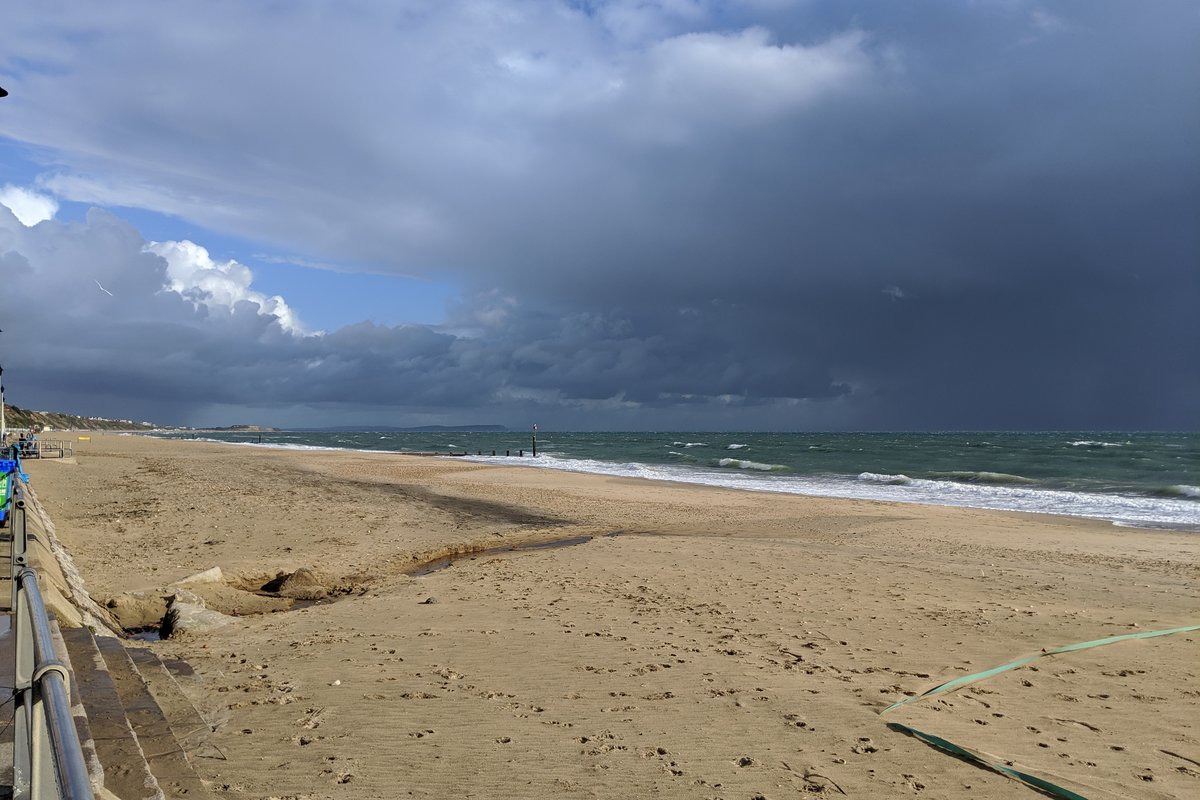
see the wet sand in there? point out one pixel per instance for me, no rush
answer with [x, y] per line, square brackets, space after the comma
[724, 645]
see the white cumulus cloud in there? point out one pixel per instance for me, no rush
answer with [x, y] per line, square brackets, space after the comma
[193, 273]
[28, 206]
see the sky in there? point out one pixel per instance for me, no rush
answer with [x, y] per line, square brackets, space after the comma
[604, 214]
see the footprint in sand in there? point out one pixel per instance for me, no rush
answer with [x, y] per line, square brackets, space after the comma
[864, 746]
[313, 720]
[797, 721]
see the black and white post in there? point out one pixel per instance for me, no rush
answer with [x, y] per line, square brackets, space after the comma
[534, 436]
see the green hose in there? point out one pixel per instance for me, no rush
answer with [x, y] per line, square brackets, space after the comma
[990, 762]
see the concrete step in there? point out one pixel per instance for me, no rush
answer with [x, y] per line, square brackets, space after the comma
[126, 771]
[190, 729]
[83, 726]
[166, 758]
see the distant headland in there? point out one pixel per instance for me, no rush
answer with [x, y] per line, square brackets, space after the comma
[416, 429]
[241, 429]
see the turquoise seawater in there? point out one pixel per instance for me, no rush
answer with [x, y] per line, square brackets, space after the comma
[1134, 479]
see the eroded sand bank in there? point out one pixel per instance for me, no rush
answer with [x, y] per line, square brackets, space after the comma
[726, 644]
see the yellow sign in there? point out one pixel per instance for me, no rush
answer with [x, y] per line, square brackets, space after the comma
[85, 438]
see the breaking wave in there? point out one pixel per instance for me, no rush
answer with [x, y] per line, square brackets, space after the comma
[1090, 443]
[742, 464]
[735, 446]
[887, 480]
[1180, 490]
[967, 476]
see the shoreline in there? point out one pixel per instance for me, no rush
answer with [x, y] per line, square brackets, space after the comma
[726, 644]
[851, 488]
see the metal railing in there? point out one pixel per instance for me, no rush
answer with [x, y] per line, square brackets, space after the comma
[54, 448]
[44, 448]
[48, 762]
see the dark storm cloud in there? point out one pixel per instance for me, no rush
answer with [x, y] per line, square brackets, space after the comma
[151, 352]
[758, 214]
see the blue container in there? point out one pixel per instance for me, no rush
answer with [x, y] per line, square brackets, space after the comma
[6, 483]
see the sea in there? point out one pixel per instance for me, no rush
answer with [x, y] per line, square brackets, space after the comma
[1139, 480]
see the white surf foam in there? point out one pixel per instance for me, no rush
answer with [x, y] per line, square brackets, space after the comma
[889, 480]
[1135, 511]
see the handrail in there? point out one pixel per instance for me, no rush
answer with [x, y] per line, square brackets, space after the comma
[50, 678]
[48, 762]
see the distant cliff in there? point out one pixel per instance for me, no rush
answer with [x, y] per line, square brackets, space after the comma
[15, 417]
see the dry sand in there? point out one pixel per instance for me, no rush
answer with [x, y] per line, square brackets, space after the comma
[724, 645]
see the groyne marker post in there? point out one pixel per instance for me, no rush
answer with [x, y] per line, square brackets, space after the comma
[534, 437]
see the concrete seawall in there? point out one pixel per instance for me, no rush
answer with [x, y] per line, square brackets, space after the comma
[62, 586]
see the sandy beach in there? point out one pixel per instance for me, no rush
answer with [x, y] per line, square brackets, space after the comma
[691, 642]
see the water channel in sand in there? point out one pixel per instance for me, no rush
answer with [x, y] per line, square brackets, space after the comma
[445, 562]
[151, 634]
